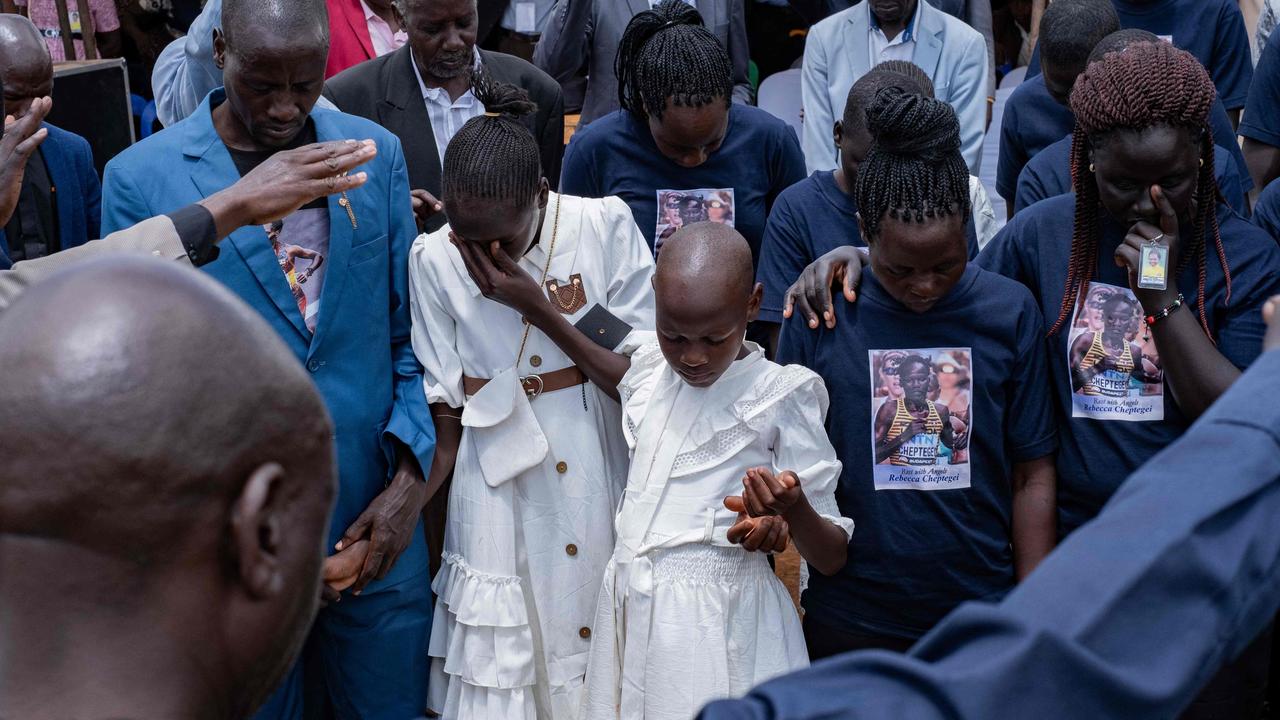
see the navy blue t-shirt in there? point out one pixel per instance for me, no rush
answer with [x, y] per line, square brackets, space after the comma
[1049, 175]
[1266, 214]
[1032, 121]
[810, 219]
[1261, 120]
[933, 517]
[1212, 30]
[759, 158]
[1112, 418]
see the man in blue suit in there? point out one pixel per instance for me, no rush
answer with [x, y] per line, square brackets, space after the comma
[332, 280]
[59, 204]
[845, 46]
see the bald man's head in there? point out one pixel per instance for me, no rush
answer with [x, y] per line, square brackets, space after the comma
[25, 67]
[252, 25]
[152, 421]
[705, 298]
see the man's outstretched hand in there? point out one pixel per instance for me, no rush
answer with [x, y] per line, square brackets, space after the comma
[21, 138]
[287, 181]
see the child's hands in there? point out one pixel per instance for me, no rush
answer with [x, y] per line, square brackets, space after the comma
[765, 494]
[764, 534]
[341, 570]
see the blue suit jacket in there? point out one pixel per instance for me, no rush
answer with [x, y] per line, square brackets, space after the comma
[836, 54]
[360, 356]
[75, 181]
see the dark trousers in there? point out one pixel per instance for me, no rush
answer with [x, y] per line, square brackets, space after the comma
[825, 641]
[365, 658]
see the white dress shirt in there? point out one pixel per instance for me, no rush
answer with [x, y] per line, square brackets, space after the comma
[448, 115]
[902, 47]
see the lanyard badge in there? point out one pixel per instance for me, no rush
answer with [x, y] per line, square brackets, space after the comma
[1153, 272]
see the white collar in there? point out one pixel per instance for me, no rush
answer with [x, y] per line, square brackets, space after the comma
[428, 92]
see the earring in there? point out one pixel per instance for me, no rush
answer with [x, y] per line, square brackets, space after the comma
[1090, 167]
[1201, 162]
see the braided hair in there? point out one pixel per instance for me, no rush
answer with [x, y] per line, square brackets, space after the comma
[494, 156]
[891, 73]
[914, 169]
[1146, 85]
[666, 54]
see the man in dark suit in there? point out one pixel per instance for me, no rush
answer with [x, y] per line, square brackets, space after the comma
[422, 94]
[60, 201]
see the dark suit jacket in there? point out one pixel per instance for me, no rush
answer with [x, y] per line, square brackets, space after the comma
[489, 13]
[69, 160]
[386, 91]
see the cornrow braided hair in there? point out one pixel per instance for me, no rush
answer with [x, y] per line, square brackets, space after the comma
[494, 156]
[1145, 85]
[891, 73]
[666, 54]
[914, 169]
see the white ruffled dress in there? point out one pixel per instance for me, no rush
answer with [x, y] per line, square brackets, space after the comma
[536, 483]
[685, 617]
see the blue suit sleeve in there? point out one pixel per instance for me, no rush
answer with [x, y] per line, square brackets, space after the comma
[92, 192]
[969, 98]
[410, 420]
[123, 204]
[184, 71]
[1142, 629]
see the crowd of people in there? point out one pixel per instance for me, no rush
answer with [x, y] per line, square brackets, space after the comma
[459, 419]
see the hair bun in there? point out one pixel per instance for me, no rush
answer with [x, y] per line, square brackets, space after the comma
[501, 99]
[909, 124]
[676, 12]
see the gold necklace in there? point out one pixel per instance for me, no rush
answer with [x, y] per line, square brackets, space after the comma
[546, 268]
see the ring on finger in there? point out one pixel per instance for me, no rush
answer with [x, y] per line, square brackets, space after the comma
[331, 182]
[331, 162]
[1156, 239]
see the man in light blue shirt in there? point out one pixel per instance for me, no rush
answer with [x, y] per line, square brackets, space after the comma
[843, 47]
[1128, 618]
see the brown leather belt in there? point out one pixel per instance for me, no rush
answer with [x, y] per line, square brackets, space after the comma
[534, 385]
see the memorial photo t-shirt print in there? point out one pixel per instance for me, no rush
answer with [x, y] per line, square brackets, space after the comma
[677, 208]
[1114, 369]
[921, 418]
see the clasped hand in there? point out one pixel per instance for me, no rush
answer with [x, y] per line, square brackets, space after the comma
[763, 508]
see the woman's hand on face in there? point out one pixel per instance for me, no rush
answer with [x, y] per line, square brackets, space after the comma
[811, 292]
[500, 278]
[1130, 253]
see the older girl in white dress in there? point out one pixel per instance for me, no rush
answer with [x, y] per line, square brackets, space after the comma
[527, 416]
[729, 452]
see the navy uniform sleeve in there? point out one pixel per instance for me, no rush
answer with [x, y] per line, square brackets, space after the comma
[1031, 432]
[797, 343]
[1003, 255]
[1221, 125]
[577, 176]
[1013, 157]
[1261, 119]
[1031, 188]
[1266, 214]
[787, 165]
[783, 256]
[1255, 278]
[1232, 65]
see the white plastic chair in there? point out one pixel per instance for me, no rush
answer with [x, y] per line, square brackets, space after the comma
[780, 96]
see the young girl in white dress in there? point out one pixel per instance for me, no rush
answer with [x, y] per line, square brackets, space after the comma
[526, 415]
[729, 453]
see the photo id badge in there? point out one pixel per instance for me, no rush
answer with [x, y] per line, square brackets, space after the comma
[1154, 273]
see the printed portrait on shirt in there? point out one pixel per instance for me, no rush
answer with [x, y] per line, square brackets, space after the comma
[301, 245]
[921, 418]
[1114, 368]
[677, 208]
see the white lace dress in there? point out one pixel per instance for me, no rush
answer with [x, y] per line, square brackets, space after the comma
[536, 484]
[684, 617]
